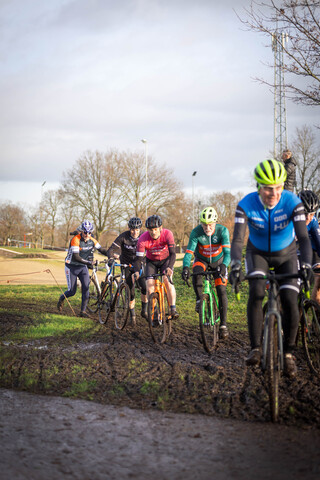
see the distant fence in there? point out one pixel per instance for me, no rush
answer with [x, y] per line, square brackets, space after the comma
[25, 244]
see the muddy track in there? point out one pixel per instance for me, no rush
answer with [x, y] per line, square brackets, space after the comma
[126, 368]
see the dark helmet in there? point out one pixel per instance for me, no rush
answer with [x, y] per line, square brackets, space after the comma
[153, 222]
[310, 200]
[135, 222]
[86, 227]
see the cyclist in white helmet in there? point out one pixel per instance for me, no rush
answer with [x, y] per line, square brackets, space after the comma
[209, 242]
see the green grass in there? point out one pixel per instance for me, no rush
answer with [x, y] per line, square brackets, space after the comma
[16, 300]
[30, 302]
[51, 326]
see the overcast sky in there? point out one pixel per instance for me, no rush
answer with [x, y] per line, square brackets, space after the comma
[81, 75]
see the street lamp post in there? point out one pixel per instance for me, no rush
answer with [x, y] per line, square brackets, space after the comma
[41, 226]
[193, 175]
[146, 162]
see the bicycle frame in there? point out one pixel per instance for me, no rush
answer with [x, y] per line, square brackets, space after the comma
[209, 290]
[159, 317]
[160, 288]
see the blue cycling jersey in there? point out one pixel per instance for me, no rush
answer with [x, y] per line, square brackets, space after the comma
[314, 234]
[271, 230]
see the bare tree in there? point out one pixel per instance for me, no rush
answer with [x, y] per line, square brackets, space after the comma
[50, 203]
[300, 21]
[161, 189]
[178, 218]
[92, 185]
[307, 154]
[12, 222]
[225, 204]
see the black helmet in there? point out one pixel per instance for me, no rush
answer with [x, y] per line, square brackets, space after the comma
[153, 222]
[135, 222]
[309, 200]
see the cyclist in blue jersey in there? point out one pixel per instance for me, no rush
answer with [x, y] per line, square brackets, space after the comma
[274, 217]
[311, 204]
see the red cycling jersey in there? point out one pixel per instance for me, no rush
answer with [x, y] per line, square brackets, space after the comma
[155, 249]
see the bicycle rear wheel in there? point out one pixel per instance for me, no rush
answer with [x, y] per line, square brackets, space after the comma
[208, 328]
[122, 306]
[273, 367]
[93, 301]
[310, 328]
[157, 322]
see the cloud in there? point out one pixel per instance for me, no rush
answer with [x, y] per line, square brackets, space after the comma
[98, 74]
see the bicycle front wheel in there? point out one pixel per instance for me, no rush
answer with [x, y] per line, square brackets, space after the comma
[273, 367]
[122, 306]
[156, 319]
[310, 327]
[93, 302]
[208, 327]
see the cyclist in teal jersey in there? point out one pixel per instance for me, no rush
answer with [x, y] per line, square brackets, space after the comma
[209, 242]
[274, 217]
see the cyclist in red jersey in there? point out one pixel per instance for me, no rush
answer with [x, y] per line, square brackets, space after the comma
[157, 243]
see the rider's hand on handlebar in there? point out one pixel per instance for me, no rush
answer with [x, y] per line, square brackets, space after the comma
[306, 272]
[90, 265]
[185, 275]
[110, 262]
[222, 269]
[236, 274]
[169, 272]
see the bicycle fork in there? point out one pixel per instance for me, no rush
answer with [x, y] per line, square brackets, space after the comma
[272, 310]
[207, 291]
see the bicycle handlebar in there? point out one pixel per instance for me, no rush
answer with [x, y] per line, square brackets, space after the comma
[154, 275]
[271, 276]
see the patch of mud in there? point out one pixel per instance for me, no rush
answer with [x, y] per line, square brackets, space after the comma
[126, 368]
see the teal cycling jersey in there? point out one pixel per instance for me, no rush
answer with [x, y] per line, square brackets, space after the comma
[208, 248]
[270, 229]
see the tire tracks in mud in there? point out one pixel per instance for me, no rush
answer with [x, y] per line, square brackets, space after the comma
[127, 368]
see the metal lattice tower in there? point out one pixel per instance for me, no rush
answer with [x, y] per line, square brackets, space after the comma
[280, 142]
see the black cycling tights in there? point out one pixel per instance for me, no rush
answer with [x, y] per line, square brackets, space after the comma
[290, 317]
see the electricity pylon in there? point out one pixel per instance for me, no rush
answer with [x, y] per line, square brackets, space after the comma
[280, 141]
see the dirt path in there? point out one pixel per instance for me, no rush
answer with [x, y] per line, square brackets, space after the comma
[54, 438]
[47, 437]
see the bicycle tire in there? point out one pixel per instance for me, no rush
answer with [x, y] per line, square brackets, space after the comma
[208, 328]
[110, 299]
[121, 311]
[311, 334]
[93, 302]
[156, 319]
[273, 367]
[167, 314]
